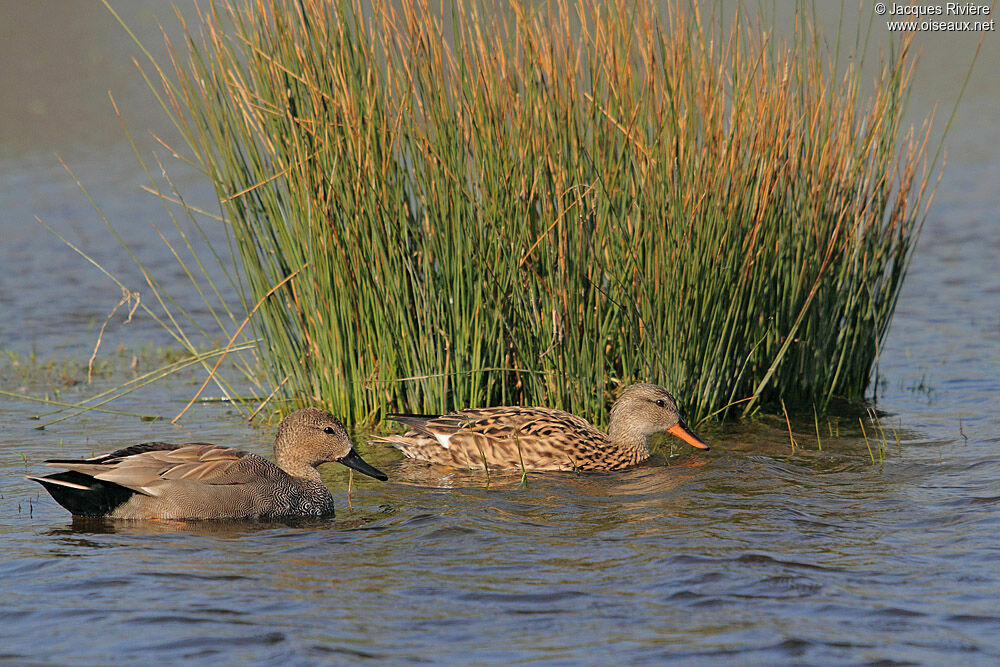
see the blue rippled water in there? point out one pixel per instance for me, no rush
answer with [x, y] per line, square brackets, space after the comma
[757, 557]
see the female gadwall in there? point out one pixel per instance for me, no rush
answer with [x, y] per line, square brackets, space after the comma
[157, 480]
[542, 438]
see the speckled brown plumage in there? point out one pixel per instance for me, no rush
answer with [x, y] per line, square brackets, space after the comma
[158, 480]
[542, 438]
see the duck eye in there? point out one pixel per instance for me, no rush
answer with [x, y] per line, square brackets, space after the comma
[328, 430]
[661, 403]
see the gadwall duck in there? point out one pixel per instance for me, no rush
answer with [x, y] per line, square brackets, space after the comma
[157, 480]
[542, 438]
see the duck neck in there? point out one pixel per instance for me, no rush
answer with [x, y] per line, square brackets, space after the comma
[295, 466]
[630, 438]
[304, 471]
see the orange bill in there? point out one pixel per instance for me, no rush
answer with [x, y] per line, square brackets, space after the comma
[682, 432]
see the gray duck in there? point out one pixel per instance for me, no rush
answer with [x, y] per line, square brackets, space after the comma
[158, 480]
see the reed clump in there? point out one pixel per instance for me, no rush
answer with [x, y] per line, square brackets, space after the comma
[510, 204]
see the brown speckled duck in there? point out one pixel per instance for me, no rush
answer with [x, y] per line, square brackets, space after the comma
[157, 480]
[542, 438]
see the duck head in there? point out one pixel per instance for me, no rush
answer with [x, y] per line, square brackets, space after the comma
[643, 410]
[310, 437]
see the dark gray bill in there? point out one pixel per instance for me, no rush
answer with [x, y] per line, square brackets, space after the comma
[353, 460]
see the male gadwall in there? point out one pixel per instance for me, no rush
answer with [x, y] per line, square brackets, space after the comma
[157, 480]
[542, 438]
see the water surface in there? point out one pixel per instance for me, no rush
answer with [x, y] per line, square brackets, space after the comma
[751, 553]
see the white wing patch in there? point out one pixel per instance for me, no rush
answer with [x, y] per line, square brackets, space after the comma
[61, 482]
[444, 439]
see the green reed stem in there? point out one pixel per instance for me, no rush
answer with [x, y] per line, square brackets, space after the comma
[541, 205]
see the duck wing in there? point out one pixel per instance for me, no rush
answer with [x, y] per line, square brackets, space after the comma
[147, 467]
[504, 437]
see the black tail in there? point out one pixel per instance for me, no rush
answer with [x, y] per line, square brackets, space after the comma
[83, 495]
